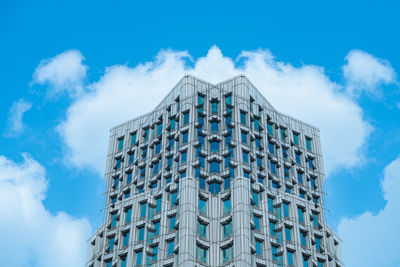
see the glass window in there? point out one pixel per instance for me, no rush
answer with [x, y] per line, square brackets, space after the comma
[133, 139]
[283, 134]
[227, 183]
[270, 204]
[273, 167]
[299, 177]
[120, 144]
[214, 126]
[227, 254]
[200, 119]
[146, 134]
[298, 158]
[308, 144]
[317, 243]
[201, 229]
[288, 233]
[123, 261]
[243, 117]
[272, 227]
[285, 153]
[313, 184]
[111, 243]
[126, 239]
[214, 107]
[311, 163]
[200, 100]
[305, 261]
[214, 188]
[156, 167]
[202, 206]
[185, 137]
[303, 239]
[254, 196]
[186, 118]
[172, 122]
[274, 250]
[257, 223]
[270, 128]
[144, 152]
[290, 258]
[114, 219]
[170, 246]
[257, 124]
[271, 148]
[227, 205]
[246, 174]
[286, 172]
[301, 214]
[320, 263]
[128, 215]
[157, 149]
[202, 183]
[244, 137]
[258, 247]
[228, 100]
[245, 157]
[141, 233]
[183, 157]
[296, 138]
[315, 219]
[118, 164]
[143, 210]
[131, 157]
[285, 210]
[158, 204]
[214, 167]
[174, 197]
[201, 254]
[214, 146]
[171, 222]
[227, 229]
[138, 258]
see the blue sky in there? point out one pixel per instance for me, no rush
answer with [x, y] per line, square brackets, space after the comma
[345, 51]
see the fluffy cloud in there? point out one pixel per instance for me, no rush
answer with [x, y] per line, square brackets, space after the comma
[363, 71]
[31, 235]
[14, 121]
[373, 239]
[124, 92]
[63, 73]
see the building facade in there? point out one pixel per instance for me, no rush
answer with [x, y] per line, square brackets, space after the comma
[214, 176]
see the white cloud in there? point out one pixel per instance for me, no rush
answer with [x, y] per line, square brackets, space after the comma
[64, 72]
[30, 234]
[373, 239]
[124, 92]
[363, 71]
[15, 114]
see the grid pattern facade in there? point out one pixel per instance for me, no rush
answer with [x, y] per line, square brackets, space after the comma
[214, 176]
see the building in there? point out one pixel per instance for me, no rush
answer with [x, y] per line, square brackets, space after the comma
[214, 176]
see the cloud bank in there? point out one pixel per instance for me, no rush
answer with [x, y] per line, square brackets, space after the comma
[373, 239]
[364, 72]
[15, 126]
[31, 235]
[62, 73]
[124, 92]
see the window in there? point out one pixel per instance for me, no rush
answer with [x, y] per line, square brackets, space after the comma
[257, 223]
[227, 183]
[214, 188]
[285, 210]
[285, 153]
[200, 119]
[303, 238]
[301, 214]
[133, 139]
[288, 233]
[111, 243]
[271, 148]
[228, 100]
[114, 219]
[202, 206]
[290, 258]
[227, 229]
[146, 134]
[200, 100]
[244, 137]
[113, 199]
[308, 144]
[201, 229]
[173, 196]
[227, 254]
[157, 149]
[201, 254]
[283, 134]
[159, 129]
[254, 196]
[158, 204]
[171, 143]
[214, 107]
[131, 156]
[305, 261]
[186, 118]
[118, 164]
[170, 247]
[214, 167]
[273, 167]
[172, 124]
[270, 204]
[227, 205]
[286, 172]
[126, 239]
[141, 233]
[320, 263]
[144, 153]
[318, 243]
[129, 178]
[270, 128]
[156, 167]
[185, 137]
[123, 261]
[138, 258]
[243, 117]
[120, 144]
[171, 223]
[214, 126]
[128, 215]
[313, 183]
[298, 158]
[272, 227]
[202, 183]
[214, 146]
[296, 138]
[274, 250]
[315, 219]
[311, 163]
[245, 157]
[299, 177]
[183, 157]
[257, 124]
[143, 210]
[258, 247]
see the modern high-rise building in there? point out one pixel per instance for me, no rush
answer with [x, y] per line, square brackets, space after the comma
[214, 176]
